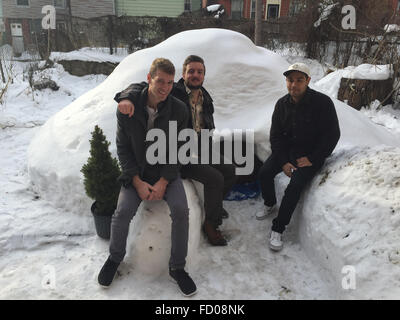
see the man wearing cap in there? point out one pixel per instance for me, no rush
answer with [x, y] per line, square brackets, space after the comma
[304, 131]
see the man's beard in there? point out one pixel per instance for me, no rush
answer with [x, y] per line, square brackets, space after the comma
[192, 87]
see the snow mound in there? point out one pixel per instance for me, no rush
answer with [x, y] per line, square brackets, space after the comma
[91, 54]
[351, 217]
[391, 28]
[61, 147]
[330, 84]
[245, 82]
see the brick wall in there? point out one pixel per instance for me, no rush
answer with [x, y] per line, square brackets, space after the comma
[285, 4]
[227, 6]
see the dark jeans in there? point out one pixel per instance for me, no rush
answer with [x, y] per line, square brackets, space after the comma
[128, 203]
[218, 180]
[298, 182]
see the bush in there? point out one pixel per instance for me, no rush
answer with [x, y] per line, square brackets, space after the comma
[100, 174]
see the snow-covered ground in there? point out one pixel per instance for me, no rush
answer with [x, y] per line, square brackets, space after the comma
[48, 251]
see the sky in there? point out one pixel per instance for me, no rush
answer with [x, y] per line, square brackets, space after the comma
[345, 224]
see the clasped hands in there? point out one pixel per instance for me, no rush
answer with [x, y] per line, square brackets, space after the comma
[148, 192]
[288, 168]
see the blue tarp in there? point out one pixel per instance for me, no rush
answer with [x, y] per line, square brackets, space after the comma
[244, 191]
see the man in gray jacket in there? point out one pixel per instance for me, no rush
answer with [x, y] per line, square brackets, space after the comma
[141, 180]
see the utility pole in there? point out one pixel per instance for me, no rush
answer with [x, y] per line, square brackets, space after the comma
[258, 25]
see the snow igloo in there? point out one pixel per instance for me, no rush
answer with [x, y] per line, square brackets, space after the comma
[244, 81]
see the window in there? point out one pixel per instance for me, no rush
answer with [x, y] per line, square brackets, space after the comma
[23, 3]
[295, 7]
[188, 5]
[237, 9]
[398, 5]
[59, 3]
[253, 9]
[273, 11]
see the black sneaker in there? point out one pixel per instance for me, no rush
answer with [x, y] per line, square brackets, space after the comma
[225, 214]
[107, 273]
[184, 281]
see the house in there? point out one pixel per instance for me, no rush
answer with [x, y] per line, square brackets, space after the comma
[272, 9]
[156, 8]
[23, 18]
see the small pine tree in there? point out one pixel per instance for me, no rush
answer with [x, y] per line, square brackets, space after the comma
[100, 174]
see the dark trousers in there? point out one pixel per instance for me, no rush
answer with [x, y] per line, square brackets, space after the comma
[298, 181]
[218, 180]
[128, 203]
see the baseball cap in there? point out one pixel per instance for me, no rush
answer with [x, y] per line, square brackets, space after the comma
[298, 66]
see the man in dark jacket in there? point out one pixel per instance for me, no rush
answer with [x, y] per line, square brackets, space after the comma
[304, 131]
[141, 180]
[217, 179]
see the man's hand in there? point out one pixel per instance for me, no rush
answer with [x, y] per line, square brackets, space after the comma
[158, 190]
[143, 188]
[126, 107]
[288, 168]
[303, 162]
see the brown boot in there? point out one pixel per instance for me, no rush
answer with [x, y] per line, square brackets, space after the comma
[214, 236]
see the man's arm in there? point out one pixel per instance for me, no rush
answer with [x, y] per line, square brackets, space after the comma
[127, 97]
[329, 134]
[279, 142]
[125, 153]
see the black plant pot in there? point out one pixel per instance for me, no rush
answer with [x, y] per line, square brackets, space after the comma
[101, 222]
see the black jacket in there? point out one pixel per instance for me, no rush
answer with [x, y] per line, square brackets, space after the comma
[309, 128]
[131, 138]
[179, 92]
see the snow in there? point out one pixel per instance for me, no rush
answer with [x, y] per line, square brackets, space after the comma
[325, 10]
[331, 83]
[91, 54]
[391, 28]
[348, 216]
[213, 7]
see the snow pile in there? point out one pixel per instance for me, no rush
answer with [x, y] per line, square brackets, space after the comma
[245, 88]
[216, 9]
[386, 116]
[91, 54]
[351, 217]
[213, 7]
[330, 84]
[391, 28]
[66, 135]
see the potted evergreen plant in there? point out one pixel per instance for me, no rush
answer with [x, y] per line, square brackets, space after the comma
[101, 174]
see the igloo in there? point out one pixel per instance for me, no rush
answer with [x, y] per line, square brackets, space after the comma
[244, 80]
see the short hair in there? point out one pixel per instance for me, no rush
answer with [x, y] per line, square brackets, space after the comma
[193, 58]
[162, 64]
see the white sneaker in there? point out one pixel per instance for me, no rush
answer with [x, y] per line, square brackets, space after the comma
[275, 241]
[261, 215]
